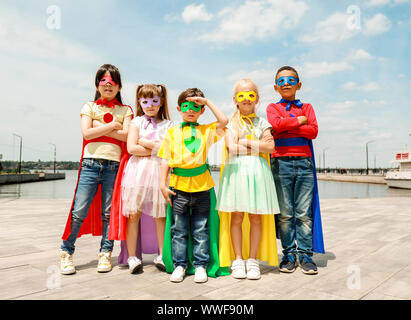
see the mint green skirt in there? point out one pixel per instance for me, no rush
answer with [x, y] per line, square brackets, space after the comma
[247, 185]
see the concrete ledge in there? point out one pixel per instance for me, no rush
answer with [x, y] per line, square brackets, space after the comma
[30, 177]
[351, 178]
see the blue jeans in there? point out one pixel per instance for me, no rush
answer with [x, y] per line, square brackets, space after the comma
[196, 223]
[93, 173]
[294, 182]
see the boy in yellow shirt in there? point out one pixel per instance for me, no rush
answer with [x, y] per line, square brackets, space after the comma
[191, 199]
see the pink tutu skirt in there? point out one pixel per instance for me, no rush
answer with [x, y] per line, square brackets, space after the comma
[140, 187]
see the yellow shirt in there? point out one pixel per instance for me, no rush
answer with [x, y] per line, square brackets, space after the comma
[104, 150]
[173, 149]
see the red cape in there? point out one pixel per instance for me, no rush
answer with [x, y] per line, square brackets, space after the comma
[93, 224]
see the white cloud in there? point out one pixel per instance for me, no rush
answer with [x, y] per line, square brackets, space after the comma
[317, 69]
[171, 17]
[380, 3]
[195, 13]
[26, 38]
[334, 28]
[256, 19]
[337, 27]
[264, 75]
[56, 76]
[377, 24]
[361, 54]
[376, 3]
[260, 75]
[339, 108]
[367, 87]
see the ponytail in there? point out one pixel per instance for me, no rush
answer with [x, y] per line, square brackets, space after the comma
[236, 126]
[164, 111]
[149, 91]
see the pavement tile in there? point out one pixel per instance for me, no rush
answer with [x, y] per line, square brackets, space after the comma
[368, 256]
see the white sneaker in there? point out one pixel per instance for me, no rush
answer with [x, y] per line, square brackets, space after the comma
[200, 275]
[178, 274]
[158, 262]
[134, 264]
[253, 269]
[104, 262]
[66, 263]
[238, 269]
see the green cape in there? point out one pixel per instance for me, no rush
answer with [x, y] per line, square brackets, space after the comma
[213, 268]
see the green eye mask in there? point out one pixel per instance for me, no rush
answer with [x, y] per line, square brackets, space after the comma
[185, 106]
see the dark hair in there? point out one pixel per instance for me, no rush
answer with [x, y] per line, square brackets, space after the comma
[287, 68]
[149, 91]
[188, 93]
[115, 75]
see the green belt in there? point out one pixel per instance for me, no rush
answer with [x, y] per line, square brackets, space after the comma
[190, 172]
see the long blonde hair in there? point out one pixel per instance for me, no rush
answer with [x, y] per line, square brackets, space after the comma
[235, 120]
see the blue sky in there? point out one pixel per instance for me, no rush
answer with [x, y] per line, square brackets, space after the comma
[355, 73]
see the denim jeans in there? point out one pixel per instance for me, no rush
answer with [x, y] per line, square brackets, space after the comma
[198, 203]
[93, 173]
[294, 182]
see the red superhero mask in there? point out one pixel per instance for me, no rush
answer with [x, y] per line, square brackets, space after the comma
[105, 80]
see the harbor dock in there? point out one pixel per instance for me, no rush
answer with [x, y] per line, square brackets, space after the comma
[368, 256]
[30, 177]
[377, 179]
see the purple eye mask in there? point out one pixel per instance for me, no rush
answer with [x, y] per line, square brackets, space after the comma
[147, 102]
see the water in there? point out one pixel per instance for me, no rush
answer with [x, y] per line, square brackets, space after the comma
[64, 189]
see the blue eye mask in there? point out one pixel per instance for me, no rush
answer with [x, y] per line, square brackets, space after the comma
[290, 80]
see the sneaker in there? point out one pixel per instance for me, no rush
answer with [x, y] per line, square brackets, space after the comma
[178, 274]
[134, 264]
[200, 275]
[253, 269]
[238, 269]
[288, 264]
[308, 266]
[104, 262]
[158, 262]
[66, 263]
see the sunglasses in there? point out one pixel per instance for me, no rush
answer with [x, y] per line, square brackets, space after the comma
[290, 80]
[185, 106]
[249, 95]
[147, 102]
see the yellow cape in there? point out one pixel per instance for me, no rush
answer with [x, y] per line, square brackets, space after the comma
[267, 250]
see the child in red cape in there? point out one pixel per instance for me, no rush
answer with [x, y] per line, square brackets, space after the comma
[104, 126]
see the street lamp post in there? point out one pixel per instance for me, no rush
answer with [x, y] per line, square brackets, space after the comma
[324, 157]
[54, 165]
[21, 148]
[366, 151]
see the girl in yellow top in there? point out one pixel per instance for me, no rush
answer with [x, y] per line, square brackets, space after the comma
[247, 198]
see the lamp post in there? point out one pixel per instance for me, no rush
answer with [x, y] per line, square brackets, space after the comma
[54, 156]
[324, 157]
[366, 151]
[21, 148]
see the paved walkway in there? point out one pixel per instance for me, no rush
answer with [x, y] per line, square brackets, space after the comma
[368, 244]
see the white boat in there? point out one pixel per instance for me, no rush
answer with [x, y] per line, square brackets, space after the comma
[401, 177]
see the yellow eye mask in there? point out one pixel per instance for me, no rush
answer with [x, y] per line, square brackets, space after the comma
[249, 95]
